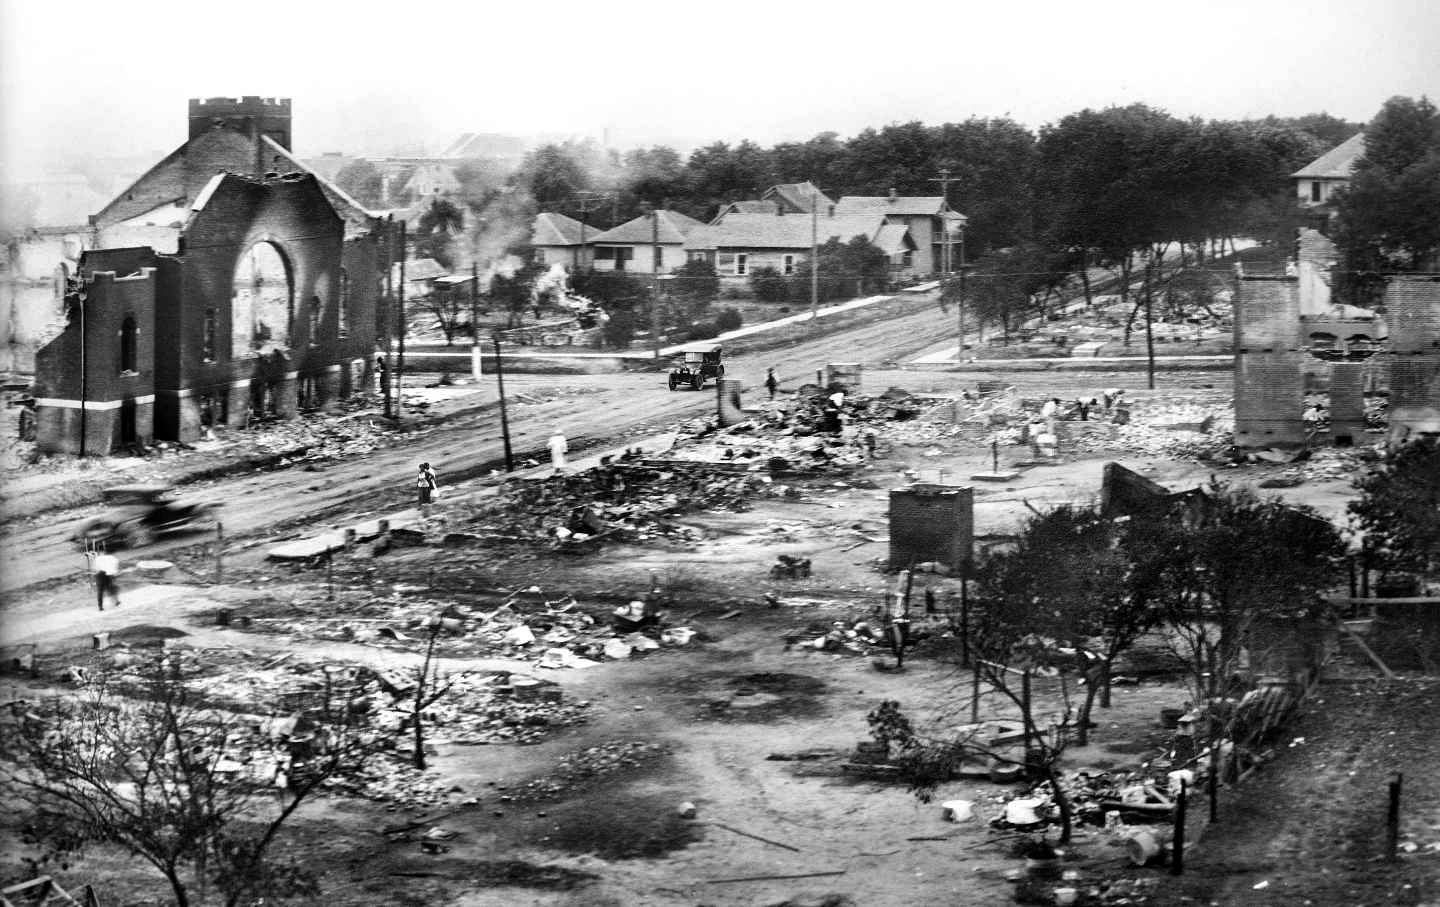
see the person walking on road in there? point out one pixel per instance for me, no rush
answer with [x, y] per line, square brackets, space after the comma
[426, 483]
[107, 569]
[558, 448]
[771, 382]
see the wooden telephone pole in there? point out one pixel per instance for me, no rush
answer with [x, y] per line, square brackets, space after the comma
[947, 258]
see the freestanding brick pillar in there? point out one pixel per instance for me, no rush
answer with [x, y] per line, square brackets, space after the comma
[727, 402]
[931, 523]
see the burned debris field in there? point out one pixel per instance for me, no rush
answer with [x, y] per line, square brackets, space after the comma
[669, 675]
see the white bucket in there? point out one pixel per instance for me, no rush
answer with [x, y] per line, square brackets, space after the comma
[958, 810]
[1066, 896]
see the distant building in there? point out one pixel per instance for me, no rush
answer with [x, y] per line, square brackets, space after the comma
[562, 240]
[1317, 182]
[225, 282]
[649, 244]
[929, 219]
[742, 243]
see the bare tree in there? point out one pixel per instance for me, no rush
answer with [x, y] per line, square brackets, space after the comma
[144, 764]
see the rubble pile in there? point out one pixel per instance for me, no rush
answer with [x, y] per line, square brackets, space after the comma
[318, 440]
[591, 763]
[526, 626]
[621, 500]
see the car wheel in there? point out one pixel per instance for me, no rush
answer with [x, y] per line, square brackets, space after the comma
[673, 383]
[697, 382]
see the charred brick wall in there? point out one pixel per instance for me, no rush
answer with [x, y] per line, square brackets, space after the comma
[931, 523]
[1412, 313]
[1347, 402]
[96, 392]
[293, 216]
[1269, 362]
[250, 114]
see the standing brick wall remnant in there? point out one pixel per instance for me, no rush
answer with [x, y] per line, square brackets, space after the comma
[1347, 402]
[932, 523]
[1412, 314]
[1269, 364]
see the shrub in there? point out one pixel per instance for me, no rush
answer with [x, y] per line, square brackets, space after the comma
[728, 319]
[769, 285]
[704, 330]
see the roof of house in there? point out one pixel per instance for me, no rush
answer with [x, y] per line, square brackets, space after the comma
[420, 269]
[552, 229]
[442, 174]
[673, 229]
[884, 204]
[800, 196]
[484, 144]
[1335, 163]
[753, 206]
[785, 231]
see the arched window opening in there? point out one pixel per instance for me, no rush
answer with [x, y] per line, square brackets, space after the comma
[262, 302]
[129, 337]
[1321, 342]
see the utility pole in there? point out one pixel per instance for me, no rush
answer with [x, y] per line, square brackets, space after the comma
[946, 259]
[815, 255]
[474, 322]
[655, 260]
[400, 357]
[504, 418]
[389, 299]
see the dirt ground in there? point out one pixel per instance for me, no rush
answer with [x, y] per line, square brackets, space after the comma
[589, 814]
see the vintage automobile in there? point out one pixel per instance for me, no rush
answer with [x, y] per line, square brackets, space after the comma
[697, 363]
[139, 513]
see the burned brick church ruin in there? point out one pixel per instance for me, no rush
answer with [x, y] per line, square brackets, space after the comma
[1292, 339]
[227, 282]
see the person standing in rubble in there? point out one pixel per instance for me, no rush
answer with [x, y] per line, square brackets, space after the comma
[426, 483]
[558, 448]
[771, 382]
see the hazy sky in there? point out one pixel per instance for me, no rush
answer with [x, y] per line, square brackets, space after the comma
[113, 77]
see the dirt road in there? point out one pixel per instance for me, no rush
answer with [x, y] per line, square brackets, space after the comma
[591, 410]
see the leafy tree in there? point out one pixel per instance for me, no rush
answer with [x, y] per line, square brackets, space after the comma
[435, 233]
[141, 763]
[769, 285]
[728, 319]
[624, 297]
[993, 162]
[822, 160]
[846, 270]
[1399, 508]
[695, 286]
[1386, 217]
[552, 174]
[1238, 560]
[515, 292]
[650, 176]
[361, 180]
[1068, 579]
[717, 174]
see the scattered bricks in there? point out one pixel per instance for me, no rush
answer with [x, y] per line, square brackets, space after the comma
[461, 540]
[406, 538]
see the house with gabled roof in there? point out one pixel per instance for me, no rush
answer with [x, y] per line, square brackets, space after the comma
[928, 219]
[562, 240]
[782, 198]
[1317, 182]
[743, 243]
[649, 244]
